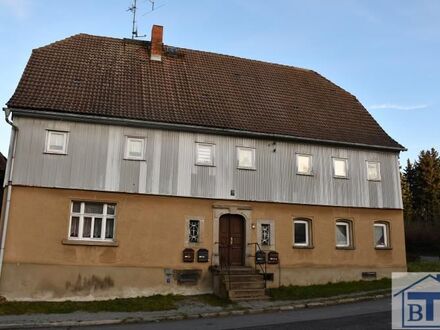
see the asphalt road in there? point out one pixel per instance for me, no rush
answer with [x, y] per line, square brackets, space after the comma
[374, 314]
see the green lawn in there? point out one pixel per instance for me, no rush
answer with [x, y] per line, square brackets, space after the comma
[328, 290]
[153, 303]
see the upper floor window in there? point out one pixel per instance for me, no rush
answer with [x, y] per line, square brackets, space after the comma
[246, 158]
[205, 154]
[373, 171]
[304, 164]
[134, 148]
[56, 142]
[301, 232]
[340, 167]
[92, 221]
[343, 234]
[381, 235]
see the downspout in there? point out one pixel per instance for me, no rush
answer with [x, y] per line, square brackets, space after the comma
[8, 186]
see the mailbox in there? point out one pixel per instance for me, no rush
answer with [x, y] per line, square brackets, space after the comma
[260, 257]
[188, 255]
[273, 257]
[202, 255]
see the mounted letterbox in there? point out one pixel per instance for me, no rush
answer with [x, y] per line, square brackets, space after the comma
[273, 257]
[188, 255]
[202, 255]
[260, 257]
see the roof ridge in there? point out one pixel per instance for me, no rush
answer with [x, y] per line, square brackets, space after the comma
[178, 47]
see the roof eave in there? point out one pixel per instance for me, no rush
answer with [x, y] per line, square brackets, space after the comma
[185, 127]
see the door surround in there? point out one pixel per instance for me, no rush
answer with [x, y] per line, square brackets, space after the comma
[246, 212]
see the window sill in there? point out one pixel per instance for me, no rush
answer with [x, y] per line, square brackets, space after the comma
[89, 243]
[135, 159]
[383, 248]
[341, 177]
[303, 247]
[55, 153]
[205, 165]
[345, 248]
[305, 174]
[247, 168]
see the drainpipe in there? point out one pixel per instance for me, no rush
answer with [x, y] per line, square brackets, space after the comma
[8, 177]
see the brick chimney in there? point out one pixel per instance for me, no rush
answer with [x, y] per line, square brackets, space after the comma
[156, 43]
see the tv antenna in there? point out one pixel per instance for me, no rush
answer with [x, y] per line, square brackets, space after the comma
[132, 9]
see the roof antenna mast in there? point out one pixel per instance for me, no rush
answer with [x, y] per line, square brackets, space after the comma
[132, 9]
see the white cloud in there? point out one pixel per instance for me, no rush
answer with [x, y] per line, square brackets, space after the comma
[18, 8]
[397, 106]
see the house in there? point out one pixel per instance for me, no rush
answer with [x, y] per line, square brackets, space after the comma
[2, 177]
[141, 168]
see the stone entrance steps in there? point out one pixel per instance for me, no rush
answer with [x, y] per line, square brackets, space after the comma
[244, 283]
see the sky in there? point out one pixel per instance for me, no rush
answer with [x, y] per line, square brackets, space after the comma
[386, 53]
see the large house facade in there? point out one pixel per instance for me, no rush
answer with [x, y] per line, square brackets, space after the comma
[137, 168]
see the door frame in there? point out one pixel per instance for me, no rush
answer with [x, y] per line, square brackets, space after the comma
[246, 212]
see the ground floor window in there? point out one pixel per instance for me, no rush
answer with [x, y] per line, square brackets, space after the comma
[265, 234]
[92, 221]
[301, 232]
[343, 233]
[381, 233]
[194, 231]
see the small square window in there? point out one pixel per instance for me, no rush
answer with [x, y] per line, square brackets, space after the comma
[373, 171]
[340, 167]
[304, 164]
[134, 148]
[381, 239]
[205, 154]
[246, 157]
[56, 142]
[301, 233]
[343, 235]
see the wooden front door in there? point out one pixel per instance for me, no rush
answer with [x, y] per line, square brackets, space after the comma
[231, 240]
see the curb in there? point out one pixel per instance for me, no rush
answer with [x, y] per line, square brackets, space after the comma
[179, 317]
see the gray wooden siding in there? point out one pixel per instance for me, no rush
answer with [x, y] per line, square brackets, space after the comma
[95, 161]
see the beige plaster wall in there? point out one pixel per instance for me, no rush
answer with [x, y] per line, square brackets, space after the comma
[150, 231]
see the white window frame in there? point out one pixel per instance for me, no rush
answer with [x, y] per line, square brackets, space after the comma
[205, 144]
[348, 231]
[47, 148]
[310, 172]
[334, 160]
[379, 177]
[241, 167]
[81, 215]
[385, 232]
[307, 225]
[129, 139]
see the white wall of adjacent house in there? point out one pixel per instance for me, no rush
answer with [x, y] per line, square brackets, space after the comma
[95, 159]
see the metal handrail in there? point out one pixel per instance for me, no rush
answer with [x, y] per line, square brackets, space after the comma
[264, 270]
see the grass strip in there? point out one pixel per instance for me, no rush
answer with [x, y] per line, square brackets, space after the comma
[144, 304]
[294, 292]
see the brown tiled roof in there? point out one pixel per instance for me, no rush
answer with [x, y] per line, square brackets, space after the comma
[103, 76]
